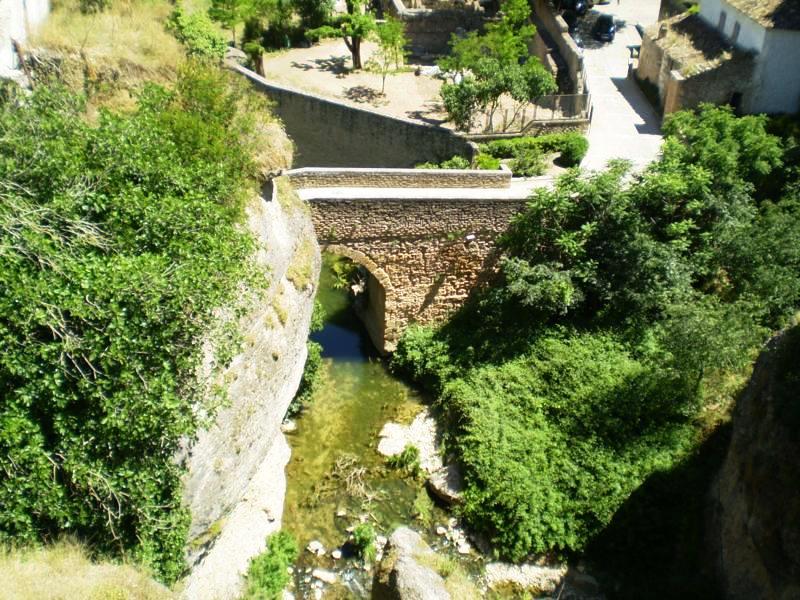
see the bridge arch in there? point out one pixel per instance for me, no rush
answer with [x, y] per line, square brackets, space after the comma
[377, 316]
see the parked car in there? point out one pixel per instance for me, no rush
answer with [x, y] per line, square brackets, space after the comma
[579, 7]
[604, 28]
[571, 19]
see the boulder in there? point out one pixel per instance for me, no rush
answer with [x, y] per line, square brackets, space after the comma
[447, 484]
[529, 578]
[403, 574]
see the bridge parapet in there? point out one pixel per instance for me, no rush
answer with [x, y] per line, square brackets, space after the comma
[322, 177]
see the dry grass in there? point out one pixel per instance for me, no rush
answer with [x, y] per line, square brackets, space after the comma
[130, 31]
[64, 572]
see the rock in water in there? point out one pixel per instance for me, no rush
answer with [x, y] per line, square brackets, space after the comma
[323, 575]
[447, 484]
[530, 578]
[402, 574]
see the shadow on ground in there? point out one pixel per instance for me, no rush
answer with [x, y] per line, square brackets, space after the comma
[365, 95]
[639, 102]
[657, 545]
[333, 64]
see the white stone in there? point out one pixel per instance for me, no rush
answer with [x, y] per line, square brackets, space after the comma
[288, 426]
[380, 541]
[463, 547]
[336, 554]
[316, 547]
[441, 530]
[323, 575]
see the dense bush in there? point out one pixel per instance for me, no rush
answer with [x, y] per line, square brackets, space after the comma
[571, 145]
[621, 304]
[118, 241]
[487, 162]
[267, 574]
[528, 162]
[312, 371]
[456, 162]
[198, 34]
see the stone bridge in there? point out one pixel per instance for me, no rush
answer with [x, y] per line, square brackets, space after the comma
[426, 237]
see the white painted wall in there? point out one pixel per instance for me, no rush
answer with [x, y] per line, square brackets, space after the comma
[777, 78]
[17, 19]
[752, 35]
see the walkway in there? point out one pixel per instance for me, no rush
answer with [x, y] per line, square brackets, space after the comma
[624, 124]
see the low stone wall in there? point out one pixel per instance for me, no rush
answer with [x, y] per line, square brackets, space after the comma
[312, 177]
[429, 31]
[328, 133]
[556, 27]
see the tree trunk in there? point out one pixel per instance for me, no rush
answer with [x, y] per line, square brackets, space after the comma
[356, 52]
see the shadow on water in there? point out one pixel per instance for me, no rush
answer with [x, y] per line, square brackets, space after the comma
[657, 545]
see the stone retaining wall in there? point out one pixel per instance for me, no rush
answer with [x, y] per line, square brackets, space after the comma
[556, 27]
[312, 177]
[328, 133]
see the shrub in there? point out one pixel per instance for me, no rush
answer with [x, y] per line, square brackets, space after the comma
[528, 162]
[572, 145]
[94, 6]
[267, 574]
[119, 241]
[407, 460]
[364, 541]
[487, 162]
[198, 34]
[573, 149]
[456, 162]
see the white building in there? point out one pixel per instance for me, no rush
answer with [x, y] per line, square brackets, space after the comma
[742, 52]
[771, 29]
[17, 19]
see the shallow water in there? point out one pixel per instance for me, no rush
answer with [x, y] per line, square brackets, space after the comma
[357, 397]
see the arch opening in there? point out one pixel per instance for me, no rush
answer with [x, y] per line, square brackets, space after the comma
[373, 291]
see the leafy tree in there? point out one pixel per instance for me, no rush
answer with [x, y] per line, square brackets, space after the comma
[314, 13]
[391, 47]
[491, 65]
[197, 33]
[353, 28]
[229, 13]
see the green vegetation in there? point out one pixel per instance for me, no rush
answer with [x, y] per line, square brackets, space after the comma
[119, 240]
[198, 34]
[571, 145]
[493, 65]
[528, 162]
[407, 461]
[312, 371]
[456, 162]
[605, 350]
[353, 27]
[364, 541]
[267, 574]
[391, 47]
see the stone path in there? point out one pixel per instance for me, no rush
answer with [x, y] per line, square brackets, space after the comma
[624, 124]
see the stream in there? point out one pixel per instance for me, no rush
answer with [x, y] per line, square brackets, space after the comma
[336, 478]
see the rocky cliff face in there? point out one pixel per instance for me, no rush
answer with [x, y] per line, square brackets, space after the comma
[756, 521]
[235, 482]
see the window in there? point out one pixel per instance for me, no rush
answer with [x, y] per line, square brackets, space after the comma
[735, 34]
[722, 18]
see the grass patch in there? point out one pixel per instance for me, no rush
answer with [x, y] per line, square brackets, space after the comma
[64, 570]
[455, 578]
[288, 197]
[301, 269]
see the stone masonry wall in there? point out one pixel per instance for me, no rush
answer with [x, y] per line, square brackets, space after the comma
[328, 133]
[427, 254]
[556, 27]
[398, 178]
[429, 31]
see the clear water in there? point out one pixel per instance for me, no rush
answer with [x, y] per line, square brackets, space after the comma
[357, 397]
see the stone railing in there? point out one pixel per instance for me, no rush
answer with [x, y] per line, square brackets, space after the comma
[317, 177]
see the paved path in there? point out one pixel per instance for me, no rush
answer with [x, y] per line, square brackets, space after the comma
[519, 189]
[624, 125]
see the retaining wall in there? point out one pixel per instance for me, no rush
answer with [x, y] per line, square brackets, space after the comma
[556, 27]
[429, 31]
[398, 178]
[328, 133]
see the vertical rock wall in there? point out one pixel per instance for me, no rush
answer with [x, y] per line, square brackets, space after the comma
[756, 522]
[235, 482]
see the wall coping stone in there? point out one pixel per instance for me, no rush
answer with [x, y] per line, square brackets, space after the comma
[320, 177]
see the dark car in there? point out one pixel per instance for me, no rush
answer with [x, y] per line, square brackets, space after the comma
[579, 7]
[604, 28]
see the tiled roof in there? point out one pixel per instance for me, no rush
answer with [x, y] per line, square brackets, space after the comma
[775, 14]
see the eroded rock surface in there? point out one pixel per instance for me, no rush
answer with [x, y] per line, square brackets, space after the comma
[405, 573]
[756, 525]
